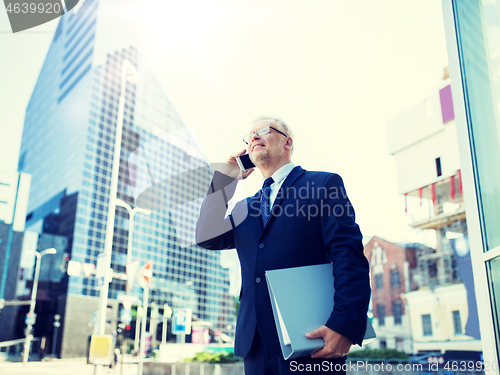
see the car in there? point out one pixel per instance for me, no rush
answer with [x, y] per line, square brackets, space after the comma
[425, 358]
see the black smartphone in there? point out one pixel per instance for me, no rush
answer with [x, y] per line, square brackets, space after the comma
[244, 162]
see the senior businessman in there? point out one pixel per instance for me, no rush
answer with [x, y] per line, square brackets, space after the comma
[298, 218]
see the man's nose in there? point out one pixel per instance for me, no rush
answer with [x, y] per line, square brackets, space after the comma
[254, 136]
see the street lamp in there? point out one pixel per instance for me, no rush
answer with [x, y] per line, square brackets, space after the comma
[131, 213]
[31, 320]
[56, 325]
[128, 72]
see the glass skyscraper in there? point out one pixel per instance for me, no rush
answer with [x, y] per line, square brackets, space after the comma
[67, 147]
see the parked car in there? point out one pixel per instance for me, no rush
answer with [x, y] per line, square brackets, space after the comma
[428, 358]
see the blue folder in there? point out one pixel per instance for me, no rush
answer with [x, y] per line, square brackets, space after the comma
[302, 301]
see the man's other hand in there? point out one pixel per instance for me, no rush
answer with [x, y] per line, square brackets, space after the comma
[336, 345]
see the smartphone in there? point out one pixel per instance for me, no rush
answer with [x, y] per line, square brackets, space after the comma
[244, 162]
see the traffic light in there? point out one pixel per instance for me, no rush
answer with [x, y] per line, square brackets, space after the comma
[128, 331]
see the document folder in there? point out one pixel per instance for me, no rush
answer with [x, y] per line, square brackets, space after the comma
[302, 301]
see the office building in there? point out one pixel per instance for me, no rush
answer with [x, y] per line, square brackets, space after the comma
[67, 146]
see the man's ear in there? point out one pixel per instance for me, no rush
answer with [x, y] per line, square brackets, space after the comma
[288, 143]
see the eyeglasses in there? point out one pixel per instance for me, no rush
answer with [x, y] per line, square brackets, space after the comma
[260, 133]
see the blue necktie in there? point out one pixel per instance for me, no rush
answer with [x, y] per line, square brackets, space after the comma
[265, 201]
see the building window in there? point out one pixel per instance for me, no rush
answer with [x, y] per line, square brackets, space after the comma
[379, 282]
[21, 162]
[457, 323]
[397, 312]
[395, 278]
[427, 325]
[381, 315]
[383, 344]
[400, 345]
[438, 167]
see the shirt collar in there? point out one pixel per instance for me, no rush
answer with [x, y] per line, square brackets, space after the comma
[283, 172]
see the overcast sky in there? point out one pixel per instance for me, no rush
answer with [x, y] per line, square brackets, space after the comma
[334, 70]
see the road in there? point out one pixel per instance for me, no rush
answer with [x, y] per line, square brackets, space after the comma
[77, 366]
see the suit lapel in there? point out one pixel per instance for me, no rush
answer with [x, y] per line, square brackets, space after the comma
[254, 202]
[283, 191]
[254, 209]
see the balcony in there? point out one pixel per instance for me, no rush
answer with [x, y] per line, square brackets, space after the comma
[436, 205]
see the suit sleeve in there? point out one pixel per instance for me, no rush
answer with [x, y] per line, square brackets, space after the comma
[213, 229]
[343, 241]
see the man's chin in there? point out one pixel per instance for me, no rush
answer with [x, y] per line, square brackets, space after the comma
[260, 158]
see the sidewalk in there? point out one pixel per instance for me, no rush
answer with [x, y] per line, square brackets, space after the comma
[73, 366]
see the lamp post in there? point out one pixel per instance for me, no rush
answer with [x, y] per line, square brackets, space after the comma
[31, 320]
[56, 325]
[127, 71]
[131, 213]
[138, 326]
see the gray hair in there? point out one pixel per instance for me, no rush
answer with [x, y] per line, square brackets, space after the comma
[276, 120]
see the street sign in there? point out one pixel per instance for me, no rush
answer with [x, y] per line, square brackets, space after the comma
[181, 321]
[131, 269]
[100, 271]
[126, 316]
[88, 268]
[100, 349]
[167, 311]
[74, 268]
[125, 297]
[127, 301]
[145, 275]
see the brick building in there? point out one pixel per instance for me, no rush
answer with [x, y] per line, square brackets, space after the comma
[391, 273]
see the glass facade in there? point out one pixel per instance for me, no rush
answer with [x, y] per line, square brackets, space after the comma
[473, 30]
[480, 52]
[67, 146]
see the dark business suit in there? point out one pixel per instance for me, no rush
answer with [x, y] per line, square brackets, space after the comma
[312, 223]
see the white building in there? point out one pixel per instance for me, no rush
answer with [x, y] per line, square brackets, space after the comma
[423, 139]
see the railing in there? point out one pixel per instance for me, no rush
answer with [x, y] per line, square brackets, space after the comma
[18, 343]
[13, 342]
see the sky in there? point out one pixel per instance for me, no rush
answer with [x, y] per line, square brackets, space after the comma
[335, 71]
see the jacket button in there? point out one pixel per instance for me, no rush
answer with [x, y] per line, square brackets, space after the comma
[258, 280]
[261, 246]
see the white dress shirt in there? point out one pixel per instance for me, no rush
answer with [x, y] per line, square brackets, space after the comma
[279, 177]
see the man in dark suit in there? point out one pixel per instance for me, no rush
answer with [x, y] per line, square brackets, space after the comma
[299, 218]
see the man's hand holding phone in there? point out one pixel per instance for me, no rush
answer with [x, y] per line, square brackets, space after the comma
[231, 167]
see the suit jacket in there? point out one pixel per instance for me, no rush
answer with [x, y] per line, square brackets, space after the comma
[312, 223]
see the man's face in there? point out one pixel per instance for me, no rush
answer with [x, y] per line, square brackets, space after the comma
[269, 147]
